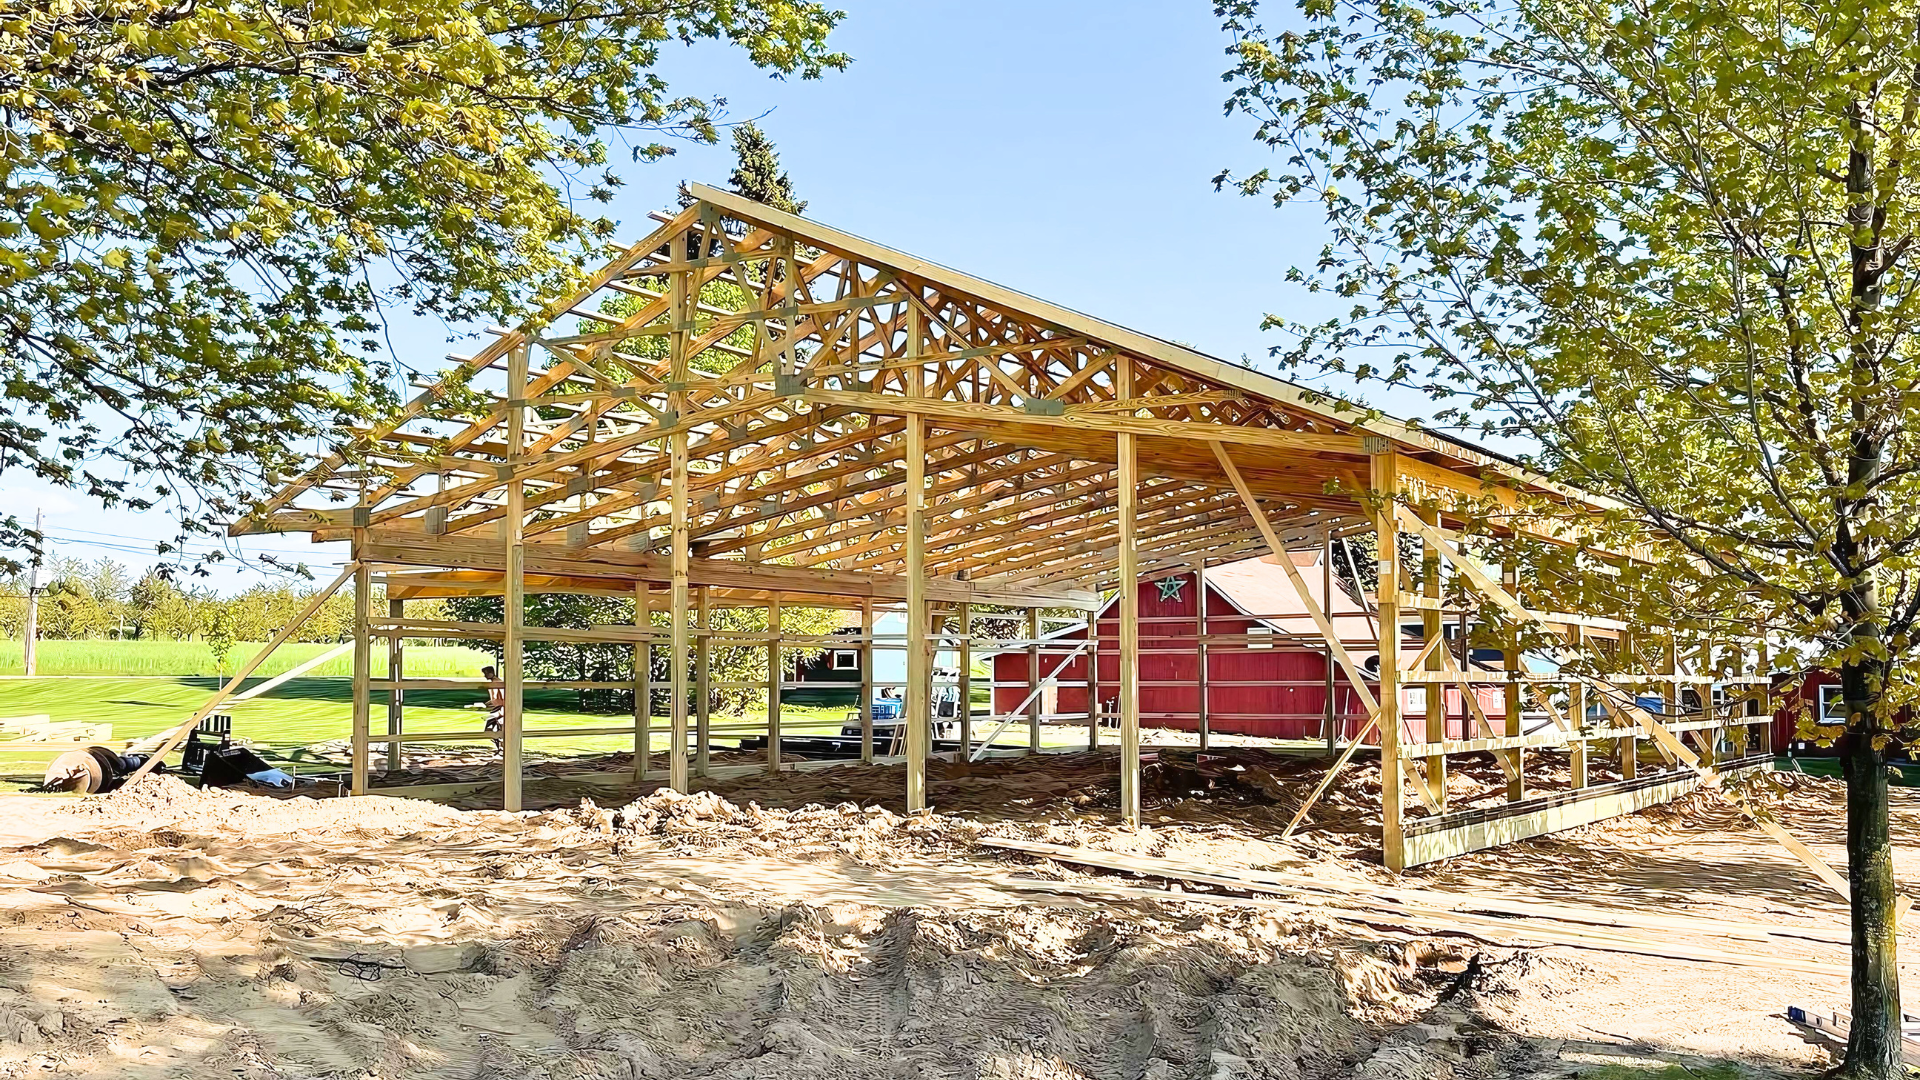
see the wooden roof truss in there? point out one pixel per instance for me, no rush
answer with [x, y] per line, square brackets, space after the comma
[793, 358]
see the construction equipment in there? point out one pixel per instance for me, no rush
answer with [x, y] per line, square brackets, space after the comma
[210, 756]
[91, 771]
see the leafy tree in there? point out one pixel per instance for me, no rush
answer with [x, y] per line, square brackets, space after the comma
[152, 603]
[748, 663]
[69, 611]
[1667, 249]
[592, 662]
[107, 580]
[70, 605]
[220, 636]
[207, 208]
[652, 350]
[567, 660]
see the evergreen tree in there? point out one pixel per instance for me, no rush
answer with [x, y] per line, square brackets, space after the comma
[756, 171]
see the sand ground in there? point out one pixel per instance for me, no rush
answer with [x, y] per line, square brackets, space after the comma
[738, 933]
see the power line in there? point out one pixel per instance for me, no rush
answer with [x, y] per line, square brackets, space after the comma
[141, 546]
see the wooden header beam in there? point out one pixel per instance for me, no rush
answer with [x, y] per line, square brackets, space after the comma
[632, 567]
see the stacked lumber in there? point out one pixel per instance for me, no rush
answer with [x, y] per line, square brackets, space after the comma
[1492, 919]
[41, 732]
[1836, 1026]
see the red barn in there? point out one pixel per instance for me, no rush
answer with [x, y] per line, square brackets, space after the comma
[1819, 695]
[1267, 664]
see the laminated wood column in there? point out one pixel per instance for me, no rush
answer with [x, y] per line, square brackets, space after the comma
[1128, 688]
[866, 680]
[1200, 648]
[1328, 722]
[1093, 678]
[362, 666]
[702, 680]
[1384, 478]
[515, 603]
[396, 697]
[1433, 694]
[643, 682]
[1034, 693]
[1675, 693]
[1629, 745]
[1510, 660]
[776, 675]
[1577, 713]
[964, 706]
[677, 663]
[1709, 737]
[916, 707]
[682, 301]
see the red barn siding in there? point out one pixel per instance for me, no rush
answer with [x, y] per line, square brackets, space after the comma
[1277, 692]
[1786, 717]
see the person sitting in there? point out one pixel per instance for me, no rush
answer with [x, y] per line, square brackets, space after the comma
[496, 704]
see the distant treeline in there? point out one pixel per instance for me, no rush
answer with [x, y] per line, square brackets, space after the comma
[102, 599]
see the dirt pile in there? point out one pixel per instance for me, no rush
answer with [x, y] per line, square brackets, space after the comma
[175, 932]
[164, 801]
[870, 835]
[169, 932]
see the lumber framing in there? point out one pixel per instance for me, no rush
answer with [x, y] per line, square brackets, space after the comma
[749, 409]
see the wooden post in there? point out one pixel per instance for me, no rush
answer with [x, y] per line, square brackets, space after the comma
[1434, 694]
[1129, 569]
[1577, 714]
[776, 674]
[1384, 476]
[1330, 723]
[1093, 677]
[515, 602]
[1709, 737]
[683, 300]
[362, 667]
[1033, 680]
[866, 680]
[396, 697]
[677, 666]
[964, 707]
[1200, 647]
[643, 682]
[702, 680]
[916, 706]
[1511, 662]
[1629, 745]
[1763, 665]
[1675, 692]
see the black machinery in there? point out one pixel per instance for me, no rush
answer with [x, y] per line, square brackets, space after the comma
[210, 755]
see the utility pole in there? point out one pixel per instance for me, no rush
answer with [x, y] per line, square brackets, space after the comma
[32, 634]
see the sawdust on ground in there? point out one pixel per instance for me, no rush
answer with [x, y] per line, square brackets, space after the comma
[794, 927]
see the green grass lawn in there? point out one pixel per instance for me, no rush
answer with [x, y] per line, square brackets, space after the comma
[195, 658]
[306, 710]
[145, 687]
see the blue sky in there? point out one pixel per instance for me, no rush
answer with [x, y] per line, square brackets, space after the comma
[1064, 149]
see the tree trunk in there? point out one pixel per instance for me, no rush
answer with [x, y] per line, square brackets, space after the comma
[1873, 1043]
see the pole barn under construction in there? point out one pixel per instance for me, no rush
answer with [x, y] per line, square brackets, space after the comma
[758, 410]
